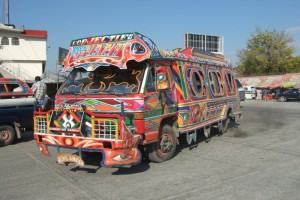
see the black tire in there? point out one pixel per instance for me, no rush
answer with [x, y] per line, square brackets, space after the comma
[225, 124]
[282, 99]
[7, 135]
[164, 149]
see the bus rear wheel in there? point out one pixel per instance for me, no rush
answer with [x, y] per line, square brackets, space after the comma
[164, 149]
[225, 124]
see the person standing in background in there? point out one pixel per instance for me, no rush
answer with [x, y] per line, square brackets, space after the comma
[39, 89]
[264, 94]
[277, 92]
[258, 94]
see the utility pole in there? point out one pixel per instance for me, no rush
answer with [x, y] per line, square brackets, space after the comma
[5, 11]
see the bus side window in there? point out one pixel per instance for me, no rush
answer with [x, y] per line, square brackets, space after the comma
[216, 84]
[150, 85]
[230, 84]
[195, 80]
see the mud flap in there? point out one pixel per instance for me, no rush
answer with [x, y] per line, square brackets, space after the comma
[191, 136]
[43, 148]
[207, 131]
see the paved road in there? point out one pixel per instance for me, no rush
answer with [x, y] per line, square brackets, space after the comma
[259, 159]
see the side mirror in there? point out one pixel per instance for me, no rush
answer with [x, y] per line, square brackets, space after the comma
[162, 82]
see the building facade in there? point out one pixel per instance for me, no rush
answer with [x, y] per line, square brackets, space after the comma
[214, 44]
[22, 52]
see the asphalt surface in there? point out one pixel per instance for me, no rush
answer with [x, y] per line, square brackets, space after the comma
[259, 159]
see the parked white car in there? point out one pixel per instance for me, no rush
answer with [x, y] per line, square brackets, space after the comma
[250, 92]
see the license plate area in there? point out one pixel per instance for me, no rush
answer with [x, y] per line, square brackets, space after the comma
[66, 120]
[65, 159]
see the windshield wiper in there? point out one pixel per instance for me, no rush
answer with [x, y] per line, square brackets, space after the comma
[114, 92]
[75, 93]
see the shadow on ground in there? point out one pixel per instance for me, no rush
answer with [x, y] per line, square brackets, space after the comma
[93, 159]
[25, 137]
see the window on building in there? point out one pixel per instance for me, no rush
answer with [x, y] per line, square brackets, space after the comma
[4, 41]
[15, 41]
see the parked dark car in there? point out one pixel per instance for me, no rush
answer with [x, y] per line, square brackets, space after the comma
[293, 94]
[16, 109]
[241, 90]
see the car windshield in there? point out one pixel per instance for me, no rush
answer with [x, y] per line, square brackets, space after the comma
[290, 91]
[104, 80]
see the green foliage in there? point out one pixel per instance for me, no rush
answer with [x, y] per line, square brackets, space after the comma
[268, 52]
[294, 65]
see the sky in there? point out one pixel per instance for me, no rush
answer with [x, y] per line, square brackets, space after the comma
[164, 21]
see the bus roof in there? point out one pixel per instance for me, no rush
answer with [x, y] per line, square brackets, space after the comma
[117, 49]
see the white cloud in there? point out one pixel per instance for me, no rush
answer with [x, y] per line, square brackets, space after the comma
[295, 33]
[293, 30]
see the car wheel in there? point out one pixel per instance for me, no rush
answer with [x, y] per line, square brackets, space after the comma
[7, 135]
[282, 99]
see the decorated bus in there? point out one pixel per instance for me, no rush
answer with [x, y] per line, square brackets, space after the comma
[124, 96]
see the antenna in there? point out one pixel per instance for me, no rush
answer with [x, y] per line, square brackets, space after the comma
[5, 11]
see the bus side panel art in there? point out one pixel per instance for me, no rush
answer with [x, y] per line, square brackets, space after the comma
[178, 77]
[153, 112]
[192, 112]
[160, 105]
[183, 116]
[157, 107]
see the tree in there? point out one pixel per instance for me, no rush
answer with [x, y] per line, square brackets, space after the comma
[294, 65]
[268, 52]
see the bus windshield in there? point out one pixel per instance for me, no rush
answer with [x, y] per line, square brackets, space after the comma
[104, 80]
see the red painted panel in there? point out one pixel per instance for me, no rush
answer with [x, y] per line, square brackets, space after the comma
[35, 33]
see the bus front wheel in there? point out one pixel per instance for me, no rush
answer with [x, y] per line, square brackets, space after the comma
[164, 149]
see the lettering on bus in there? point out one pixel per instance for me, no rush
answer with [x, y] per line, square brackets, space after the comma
[173, 54]
[114, 50]
[65, 106]
[102, 39]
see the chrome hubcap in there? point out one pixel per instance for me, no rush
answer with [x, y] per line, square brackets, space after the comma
[4, 135]
[165, 144]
